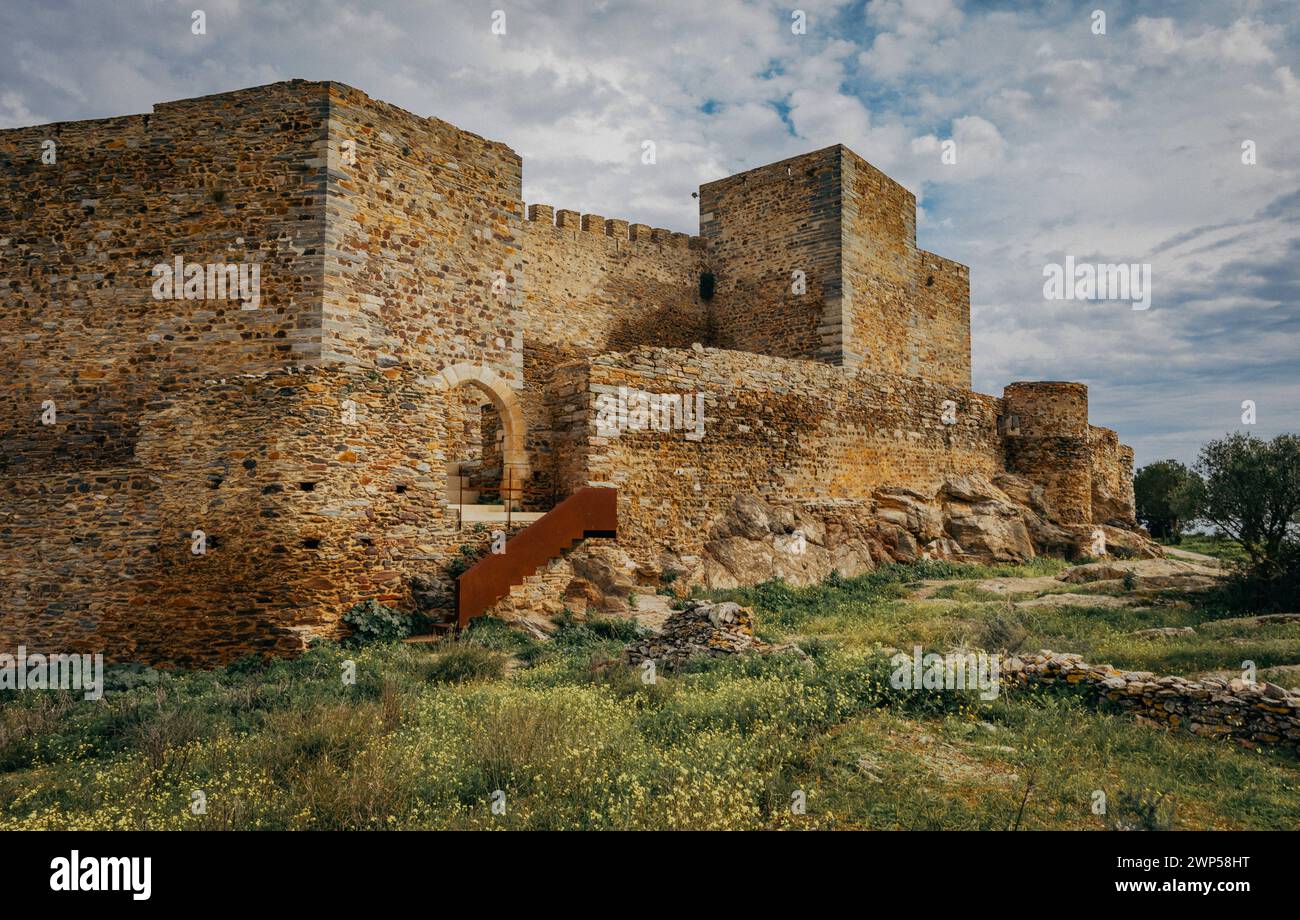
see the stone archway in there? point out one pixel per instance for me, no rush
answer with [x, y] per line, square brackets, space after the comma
[514, 455]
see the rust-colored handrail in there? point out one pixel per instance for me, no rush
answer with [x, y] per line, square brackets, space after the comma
[589, 512]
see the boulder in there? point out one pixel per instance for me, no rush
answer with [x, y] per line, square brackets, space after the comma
[1109, 507]
[1085, 601]
[605, 566]
[992, 530]
[911, 511]
[1164, 632]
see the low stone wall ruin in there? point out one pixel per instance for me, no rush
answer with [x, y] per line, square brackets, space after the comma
[1250, 714]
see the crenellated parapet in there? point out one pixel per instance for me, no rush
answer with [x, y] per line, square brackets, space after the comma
[615, 228]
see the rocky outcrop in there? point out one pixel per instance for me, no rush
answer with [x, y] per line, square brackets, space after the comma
[967, 519]
[1147, 574]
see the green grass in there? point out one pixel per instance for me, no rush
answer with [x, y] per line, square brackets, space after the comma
[1216, 545]
[427, 735]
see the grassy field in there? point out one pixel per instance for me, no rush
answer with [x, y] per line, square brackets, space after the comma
[1216, 545]
[564, 737]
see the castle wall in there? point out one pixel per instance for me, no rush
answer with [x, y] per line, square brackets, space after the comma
[423, 251]
[1112, 477]
[872, 298]
[309, 438]
[594, 285]
[228, 178]
[305, 512]
[780, 428]
[759, 228]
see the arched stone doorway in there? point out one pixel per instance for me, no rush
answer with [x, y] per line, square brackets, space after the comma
[514, 456]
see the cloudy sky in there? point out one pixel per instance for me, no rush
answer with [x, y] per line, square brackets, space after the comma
[1116, 147]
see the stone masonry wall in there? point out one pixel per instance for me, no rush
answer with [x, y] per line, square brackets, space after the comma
[595, 285]
[906, 311]
[775, 427]
[227, 178]
[308, 438]
[303, 517]
[1112, 476]
[423, 255]
[761, 226]
[1250, 714]
[870, 297]
[1051, 443]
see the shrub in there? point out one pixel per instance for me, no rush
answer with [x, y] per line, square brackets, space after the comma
[1255, 587]
[623, 630]
[371, 621]
[463, 561]
[464, 661]
[1002, 632]
[1141, 811]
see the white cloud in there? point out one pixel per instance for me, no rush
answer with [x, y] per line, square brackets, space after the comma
[1245, 41]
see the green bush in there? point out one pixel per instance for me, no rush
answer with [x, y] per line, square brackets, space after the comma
[463, 561]
[371, 621]
[1256, 587]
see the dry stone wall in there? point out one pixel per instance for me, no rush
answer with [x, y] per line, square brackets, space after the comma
[1250, 714]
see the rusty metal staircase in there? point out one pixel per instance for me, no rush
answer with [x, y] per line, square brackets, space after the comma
[589, 512]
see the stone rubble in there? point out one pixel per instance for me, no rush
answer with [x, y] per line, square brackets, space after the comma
[699, 630]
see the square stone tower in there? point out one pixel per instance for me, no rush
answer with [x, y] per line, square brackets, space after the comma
[815, 257]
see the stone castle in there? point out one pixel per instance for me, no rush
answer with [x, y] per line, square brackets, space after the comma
[190, 475]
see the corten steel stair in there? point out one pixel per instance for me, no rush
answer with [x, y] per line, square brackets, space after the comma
[590, 512]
